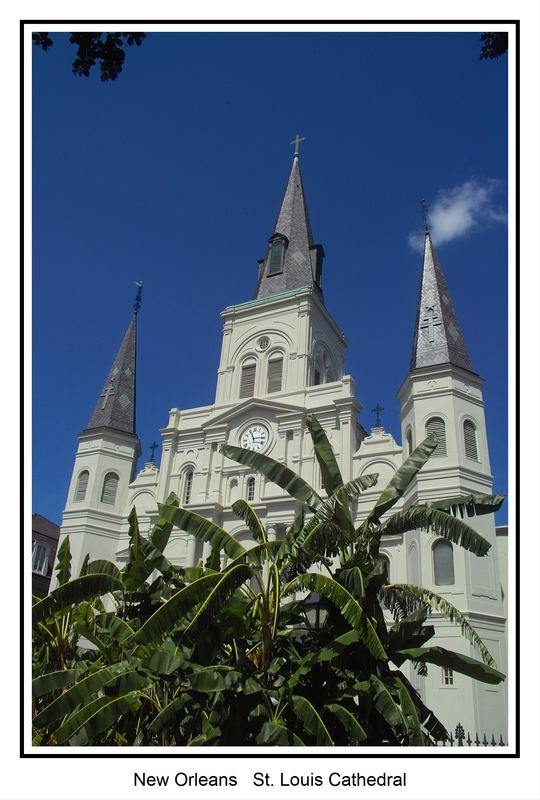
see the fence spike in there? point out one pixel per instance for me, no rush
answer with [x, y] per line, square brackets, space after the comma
[469, 740]
[493, 742]
[477, 740]
[501, 742]
[485, 742]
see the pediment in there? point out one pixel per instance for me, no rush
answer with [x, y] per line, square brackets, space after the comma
[252, 405]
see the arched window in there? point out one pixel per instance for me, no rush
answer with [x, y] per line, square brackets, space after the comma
[188, 485]
[318, 371]
[409, 442]
[247, 379]
[469, 438]
[275, 374]
[443, 563]
[82, 485]
[250, 494]
[384, 562]
[110, 486]
[436, 425]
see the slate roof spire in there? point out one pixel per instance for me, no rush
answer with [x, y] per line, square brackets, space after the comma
[437, 334]
[292, 259]
[115, 407]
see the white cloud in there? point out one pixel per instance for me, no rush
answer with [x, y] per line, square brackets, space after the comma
[458, 211]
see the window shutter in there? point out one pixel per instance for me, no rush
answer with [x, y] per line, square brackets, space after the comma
[247, 381]
[276, 257]
[275, 375]
[188, 483]
[251, 490]
[82, 485]
[436, 425]
[110, 485]
[469, 436]
[443, 563]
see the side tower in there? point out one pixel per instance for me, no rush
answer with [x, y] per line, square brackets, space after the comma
[443, 394]
[106, 457]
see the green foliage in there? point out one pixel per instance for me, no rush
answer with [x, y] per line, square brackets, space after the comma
[107, 49]
[155, 654]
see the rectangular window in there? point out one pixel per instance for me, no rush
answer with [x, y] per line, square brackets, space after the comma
[40, 558]
[247, 381]
[275, 375]
[447, 676]
[277, 251]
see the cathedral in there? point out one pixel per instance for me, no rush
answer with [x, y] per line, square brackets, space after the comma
[283, 356]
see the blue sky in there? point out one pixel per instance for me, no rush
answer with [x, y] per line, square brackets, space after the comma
[173, 174]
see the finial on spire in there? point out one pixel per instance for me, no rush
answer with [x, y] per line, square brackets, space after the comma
[296, 141]
[137, 303]
[425, 214]
[377, 410]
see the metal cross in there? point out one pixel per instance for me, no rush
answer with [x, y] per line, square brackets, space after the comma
[430, 320]
[153, 448]
[425, 214]
[137, 303]
[107, 392]
[377, 410]
[296, 143]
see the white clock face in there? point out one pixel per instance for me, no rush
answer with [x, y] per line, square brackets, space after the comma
[255, 437]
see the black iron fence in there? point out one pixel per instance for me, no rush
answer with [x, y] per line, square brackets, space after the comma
[459, 739]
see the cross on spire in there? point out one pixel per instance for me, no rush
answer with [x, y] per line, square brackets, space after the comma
[153, 448]
[377, 410]
[107, 392]
[425, 214]
[296, 141]
[137, 303]
[430, 320]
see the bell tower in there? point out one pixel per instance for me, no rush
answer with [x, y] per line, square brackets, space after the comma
[443, 394]
[105, 461]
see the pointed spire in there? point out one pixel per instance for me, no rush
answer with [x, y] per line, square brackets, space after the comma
[115, 407]
[437, 335]
[292, 260]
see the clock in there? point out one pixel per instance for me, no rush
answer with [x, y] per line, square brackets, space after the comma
[255, 437]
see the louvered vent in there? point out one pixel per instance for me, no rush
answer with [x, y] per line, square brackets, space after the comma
[82, 485]
[251, 490]
[110, 485]
[188, 484]
[469, 436]
[436, 425]
[277, 251]
[247, 382]
[275, 375]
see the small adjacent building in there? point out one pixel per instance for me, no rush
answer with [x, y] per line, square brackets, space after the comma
[45, 535]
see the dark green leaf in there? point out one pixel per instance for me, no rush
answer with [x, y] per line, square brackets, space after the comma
[456, 661]
[203, 529]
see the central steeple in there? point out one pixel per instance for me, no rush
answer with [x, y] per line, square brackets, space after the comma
[292, 260]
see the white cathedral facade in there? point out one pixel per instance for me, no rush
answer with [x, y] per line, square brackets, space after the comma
[282, 356]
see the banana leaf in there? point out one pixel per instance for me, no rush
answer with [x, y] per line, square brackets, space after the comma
[243, 510]
[276, 472]
[275, 733]
[160, 535]
[63, 562]
[387, 707]
[74, 592]
[408, 710]
[405, 474]
[417, 596]
[330, 473]
[96, 716]
[201, 593]
[53, 681]
[169, 715]
[311, 720]
[440, 523]
[471, 505]
[77, 695]
[202, 529]
[456, 661]
[353, 728]
[345, 603]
